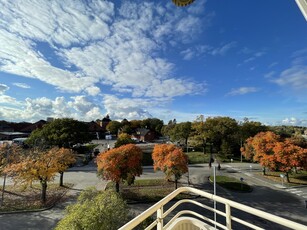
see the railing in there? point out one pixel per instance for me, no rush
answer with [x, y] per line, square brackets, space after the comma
[302, 4]
[161, 215]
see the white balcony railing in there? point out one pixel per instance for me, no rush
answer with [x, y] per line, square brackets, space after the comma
[184, 220]
[302, 4]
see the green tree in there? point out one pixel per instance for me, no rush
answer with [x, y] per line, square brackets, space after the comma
[181, 131]
[222, 133]
[113, 127]
[166, 130]
[199, 132]
[153, 124]
[95, 211]
[63, 132]
[123, 139]
[250, 129]
[135, 124]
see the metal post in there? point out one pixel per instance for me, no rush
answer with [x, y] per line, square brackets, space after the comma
[188, 164]
[228, 216]
[214, 192]
[160, 218]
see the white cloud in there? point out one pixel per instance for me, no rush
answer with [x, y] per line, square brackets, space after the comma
[252, 55]
[22, 85]
[196, 51]
[187, 54]
[242, 91]
[294, 121]
[57, 22]
[92, 90]
[223, 49]
[80, 104]
[295, 77]
[3, 88]
[18, 57]
[79, 107]
[96, 49]
[127, 58]
[127, 108]
[270, 75]
[4, 99]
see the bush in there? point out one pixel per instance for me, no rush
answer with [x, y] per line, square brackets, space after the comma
[95, 210]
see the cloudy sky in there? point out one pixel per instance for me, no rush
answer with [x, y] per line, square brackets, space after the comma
[137, 59]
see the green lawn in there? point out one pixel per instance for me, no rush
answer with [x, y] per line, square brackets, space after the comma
[299, 178]
[232, 183]
[147, 190]
[198, 157]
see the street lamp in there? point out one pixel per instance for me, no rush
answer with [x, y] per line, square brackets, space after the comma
[214, 192]
[188, 164]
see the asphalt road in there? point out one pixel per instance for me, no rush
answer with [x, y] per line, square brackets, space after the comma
[267, 196]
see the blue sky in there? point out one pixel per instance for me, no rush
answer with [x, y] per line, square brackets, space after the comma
[139, 59]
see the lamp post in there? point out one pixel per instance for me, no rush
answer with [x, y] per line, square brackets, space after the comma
[188, 164]
[214, 192]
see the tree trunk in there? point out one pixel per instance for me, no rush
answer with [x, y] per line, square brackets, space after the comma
[44, 191]
[61, 178]
[263, 170]
[287, 176]
[117, 187]
[176, 183]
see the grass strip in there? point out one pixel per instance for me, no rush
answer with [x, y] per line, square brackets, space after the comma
[232, 183]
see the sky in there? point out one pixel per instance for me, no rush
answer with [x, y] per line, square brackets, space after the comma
[139, 59]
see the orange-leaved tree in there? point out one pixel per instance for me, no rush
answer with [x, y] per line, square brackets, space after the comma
[260, 148]
[65, 158]
[120, 164]
[289, 156]
[40, 166]
[171, 160]
[9, 154]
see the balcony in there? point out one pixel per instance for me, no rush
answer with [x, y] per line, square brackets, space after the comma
[213, 212]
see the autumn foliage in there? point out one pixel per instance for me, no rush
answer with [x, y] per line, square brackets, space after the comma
[171, 160]
[272, 152]
[41, 166]
[121, 164]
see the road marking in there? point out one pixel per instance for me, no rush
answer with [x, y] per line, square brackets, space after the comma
[296, 192]
[291, 189]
